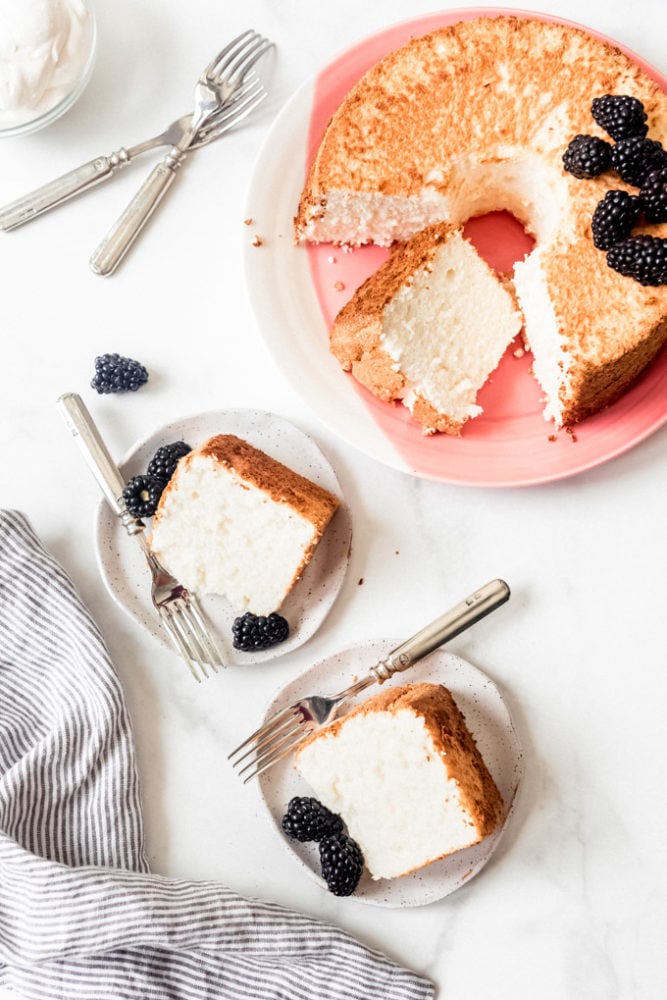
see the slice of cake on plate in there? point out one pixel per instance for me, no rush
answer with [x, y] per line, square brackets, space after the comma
[234, 521]
[428, 328]
[403, 771]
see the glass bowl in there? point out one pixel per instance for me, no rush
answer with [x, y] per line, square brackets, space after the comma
[44, 117]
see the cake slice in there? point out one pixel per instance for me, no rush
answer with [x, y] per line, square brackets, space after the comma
[235, 522]
[428, 328]
[405, 774]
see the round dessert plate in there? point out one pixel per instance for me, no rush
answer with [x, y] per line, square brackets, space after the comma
[124, 570]
[297, 291]
[489, 722]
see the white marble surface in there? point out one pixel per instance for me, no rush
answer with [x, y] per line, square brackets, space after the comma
[574, 903]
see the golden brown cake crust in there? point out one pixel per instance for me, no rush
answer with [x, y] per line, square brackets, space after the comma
[473, 87]
[451, 737]
[282, 484]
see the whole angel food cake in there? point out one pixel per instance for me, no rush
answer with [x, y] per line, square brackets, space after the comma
[475, 118]
[405, 774]
[428, 328]
[234, 521]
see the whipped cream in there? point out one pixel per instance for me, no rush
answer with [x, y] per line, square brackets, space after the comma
[44, 50]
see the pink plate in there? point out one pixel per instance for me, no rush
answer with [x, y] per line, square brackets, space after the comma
[510, 444]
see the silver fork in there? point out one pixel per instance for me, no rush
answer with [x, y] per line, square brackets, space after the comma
[217, 86]
[178, 609]
[102, 168]
[285, 730]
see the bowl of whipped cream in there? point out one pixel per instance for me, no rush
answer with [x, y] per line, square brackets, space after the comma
[47, 51]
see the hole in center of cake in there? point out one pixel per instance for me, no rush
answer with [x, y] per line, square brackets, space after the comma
[500, 239]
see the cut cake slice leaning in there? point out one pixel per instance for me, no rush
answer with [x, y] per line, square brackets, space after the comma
[428, 328]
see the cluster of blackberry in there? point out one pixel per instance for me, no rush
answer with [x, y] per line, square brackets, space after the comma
[142, 493]
[253, 632]
[341, 859]
[640, 162]
[115, 373]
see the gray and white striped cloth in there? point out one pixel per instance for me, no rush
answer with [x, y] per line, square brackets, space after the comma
[81, 915]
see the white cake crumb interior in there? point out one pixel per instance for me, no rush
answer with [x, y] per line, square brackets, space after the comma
[382, 773]
[448, 328]
[219, 534]
[551, 361]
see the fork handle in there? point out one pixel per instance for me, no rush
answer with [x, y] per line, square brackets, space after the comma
[61, 189]
[97, 456]
[476, 606]
[124, 232]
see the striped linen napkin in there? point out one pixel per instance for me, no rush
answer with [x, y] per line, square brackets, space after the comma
[81, 915]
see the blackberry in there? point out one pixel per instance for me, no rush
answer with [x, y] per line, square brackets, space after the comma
[114, 373]
[163, 463]
[342, 864]
[653, 196]
[142, 495]
[587, 156]
[259, 631]
[307, 819]
[614, 218]
[620, 115]
[634, 158]
[643, 258]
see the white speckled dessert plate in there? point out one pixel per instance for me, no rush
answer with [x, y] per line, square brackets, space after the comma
[123, 567]
[489, 721]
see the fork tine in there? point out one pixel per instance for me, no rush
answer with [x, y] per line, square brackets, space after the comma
[231, 112]
[245, 92]
[228, 49]
[273, 746]
[280, 717]
[175, 636]
[187, 635]
[200, 631]
[240, 114]
[244, 61]
[248, 88]
[262, 745]
[266, 762]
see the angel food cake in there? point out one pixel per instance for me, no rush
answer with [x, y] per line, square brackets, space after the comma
[404, 773]
[475, 118]
[236, 522]
[419, 329]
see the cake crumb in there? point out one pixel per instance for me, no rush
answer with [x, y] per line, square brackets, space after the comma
[257, 241]
[331, 260]
[339, 286]
[519, 353]
[553, 437]
[361, 580]
[248, 222]
[570, 433]
[347, 248]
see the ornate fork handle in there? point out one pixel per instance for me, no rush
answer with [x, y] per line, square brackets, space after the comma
[475, 607]
[459, 618]
[124, 232]
[100, 462]
[62, 189]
